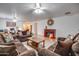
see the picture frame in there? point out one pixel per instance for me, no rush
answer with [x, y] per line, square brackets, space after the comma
[10, 24]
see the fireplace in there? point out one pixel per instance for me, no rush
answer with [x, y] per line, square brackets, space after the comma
[48, 32]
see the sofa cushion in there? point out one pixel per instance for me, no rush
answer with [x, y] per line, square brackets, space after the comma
[20, 47]
[46, 52]
[28, 53]
[67, 43]
[63, 47]
[7, 50]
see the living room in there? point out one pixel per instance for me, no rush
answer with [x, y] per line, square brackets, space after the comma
[39, 29]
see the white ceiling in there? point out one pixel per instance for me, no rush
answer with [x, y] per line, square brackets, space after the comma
[24, 11]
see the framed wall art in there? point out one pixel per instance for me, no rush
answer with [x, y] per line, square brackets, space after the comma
[10, 24]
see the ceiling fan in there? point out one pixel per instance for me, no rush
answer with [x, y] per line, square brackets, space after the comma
[38, 8]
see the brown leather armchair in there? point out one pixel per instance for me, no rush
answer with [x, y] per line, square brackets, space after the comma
[8, 49]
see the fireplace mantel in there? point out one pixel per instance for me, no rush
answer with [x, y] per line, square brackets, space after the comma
[47, 33]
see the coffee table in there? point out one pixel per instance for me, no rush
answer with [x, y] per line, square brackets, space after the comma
[35, 41]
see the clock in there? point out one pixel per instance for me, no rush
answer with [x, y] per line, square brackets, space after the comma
[50, 21]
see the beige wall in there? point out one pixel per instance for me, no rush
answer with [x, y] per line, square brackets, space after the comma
[64, 25]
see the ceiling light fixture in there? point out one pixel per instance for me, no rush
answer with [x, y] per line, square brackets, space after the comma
[38, 8]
